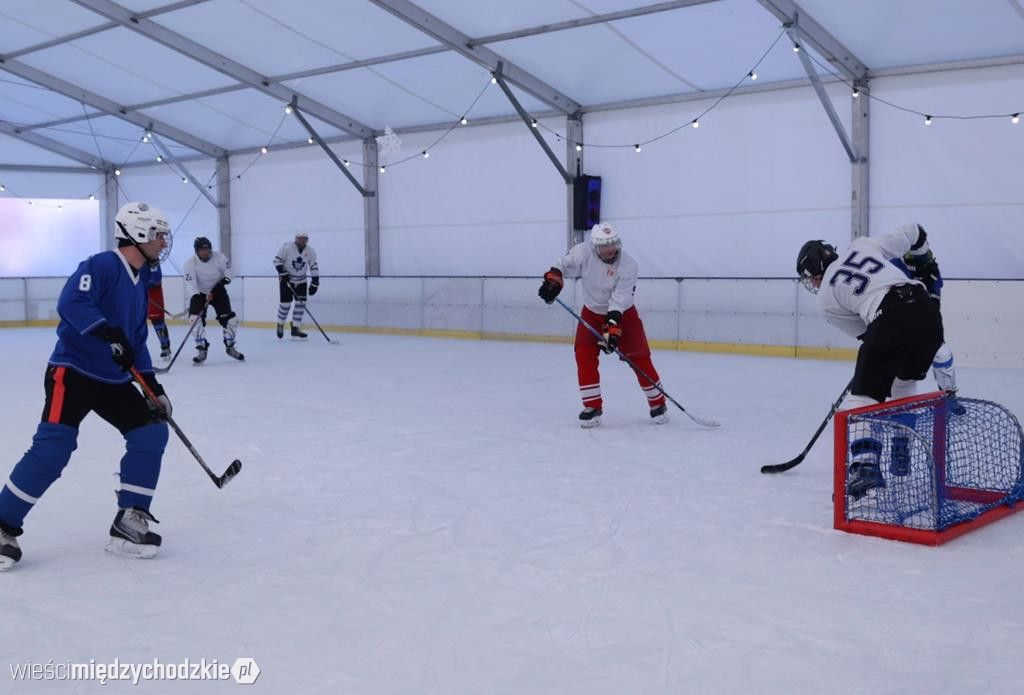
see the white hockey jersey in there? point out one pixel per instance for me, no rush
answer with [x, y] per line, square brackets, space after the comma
[855, 284]
[606, 286]
[201, 276]
[297, 262]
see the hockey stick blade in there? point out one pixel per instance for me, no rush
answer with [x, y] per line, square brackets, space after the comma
[702, 421]
[231, 472]
[782, 467]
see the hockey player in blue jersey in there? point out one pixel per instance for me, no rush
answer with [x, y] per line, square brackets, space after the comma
[101, 335]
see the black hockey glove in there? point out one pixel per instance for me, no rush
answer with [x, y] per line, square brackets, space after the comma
[551, 286]
[120, 349]
[926, 269]
[612, 331]
[314, 286]
[164, 409]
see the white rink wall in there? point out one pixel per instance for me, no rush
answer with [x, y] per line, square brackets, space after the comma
[982, 317]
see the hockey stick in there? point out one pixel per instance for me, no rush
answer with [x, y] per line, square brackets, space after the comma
[332, 341]
[180, 315]
[793, 463]
[219, 481]
[192, 326]
[622, 356]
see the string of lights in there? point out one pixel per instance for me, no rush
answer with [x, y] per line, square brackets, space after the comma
[1014, 117]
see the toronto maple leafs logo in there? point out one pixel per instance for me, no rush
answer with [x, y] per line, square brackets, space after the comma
[298, 264]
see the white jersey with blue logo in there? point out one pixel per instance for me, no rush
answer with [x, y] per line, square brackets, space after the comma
[855, 284]
[296, 262]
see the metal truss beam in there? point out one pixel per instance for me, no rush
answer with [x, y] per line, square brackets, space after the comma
[54, 146]
[789, 13]
[224, 65]
[183, 171]
[823, 97]
[100, 28]
[43, 169]
[297, 112]
[526, 119]
[450, 36]
[105, 105]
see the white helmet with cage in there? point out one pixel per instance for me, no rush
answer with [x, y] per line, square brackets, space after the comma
[140, 223]
[603, 238]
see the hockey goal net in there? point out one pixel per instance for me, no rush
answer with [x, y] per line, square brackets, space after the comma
[948, 466]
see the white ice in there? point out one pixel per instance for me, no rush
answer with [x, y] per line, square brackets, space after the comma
[421, 515]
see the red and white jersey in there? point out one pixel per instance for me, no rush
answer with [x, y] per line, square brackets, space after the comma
[297, 262]
[855, 284]
[606, 286]
[201, 276]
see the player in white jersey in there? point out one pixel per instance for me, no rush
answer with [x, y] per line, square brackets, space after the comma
[292, 263]
[608, 278]
[206, 275]
[900, 327]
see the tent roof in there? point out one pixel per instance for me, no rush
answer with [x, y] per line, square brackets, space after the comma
[213, 76]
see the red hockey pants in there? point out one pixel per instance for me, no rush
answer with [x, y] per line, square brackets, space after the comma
[633, 345]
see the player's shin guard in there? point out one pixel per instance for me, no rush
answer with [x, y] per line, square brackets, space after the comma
[200, 332]
[298, 313]
[282, 312]
[943, 369]
[160, 328]
[903, 388]
[140, 466]
[35, 472]
[230, 325]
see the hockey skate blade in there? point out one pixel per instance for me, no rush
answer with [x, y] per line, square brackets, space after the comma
[590, 424]
[7, 563]
[135, 551]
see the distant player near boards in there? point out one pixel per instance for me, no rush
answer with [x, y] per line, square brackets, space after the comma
[292, 262]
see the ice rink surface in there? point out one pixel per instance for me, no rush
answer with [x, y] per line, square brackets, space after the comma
[424, 516]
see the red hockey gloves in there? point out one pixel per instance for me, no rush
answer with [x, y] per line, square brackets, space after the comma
[120, 349]
[314, 285]
[612, 331]
[552, 285]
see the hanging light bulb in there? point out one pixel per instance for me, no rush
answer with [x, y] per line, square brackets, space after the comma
[383, 168]
[309, 140]
[159, 158]
[2, 188]
[637, 148]
[426, 155]
[92, 197]
[1015, 118]
[752, 75]
[579, 147]
[927, 120]
[796, 48]
[263, 150]
[856, 92]
[696, 123]
[533, 122]
[288, 108]
[30, 203]
[184, 179]
[60, 208]
[345, 162]
[463, 120]
[117, 172]
[494, 80]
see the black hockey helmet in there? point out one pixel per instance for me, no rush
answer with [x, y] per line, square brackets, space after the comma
[202, 242]
[814, 257]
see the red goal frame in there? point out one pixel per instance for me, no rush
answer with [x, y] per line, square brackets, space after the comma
[902, 533]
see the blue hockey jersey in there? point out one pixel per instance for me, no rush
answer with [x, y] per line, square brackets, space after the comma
[104, 289]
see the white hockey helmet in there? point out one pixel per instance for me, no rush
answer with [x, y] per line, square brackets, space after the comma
[140, 223]
[603, 236]
[301, 235]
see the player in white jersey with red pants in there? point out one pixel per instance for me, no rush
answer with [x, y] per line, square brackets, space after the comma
[900, 327]
[608, 279]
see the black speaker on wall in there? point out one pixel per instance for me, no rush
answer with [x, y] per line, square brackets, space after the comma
[586, 201]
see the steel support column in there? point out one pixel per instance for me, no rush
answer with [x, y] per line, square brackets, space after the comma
[861, 199]
[224, 204]
[371, 207]
[574, 163]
